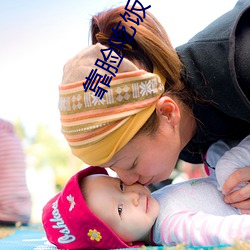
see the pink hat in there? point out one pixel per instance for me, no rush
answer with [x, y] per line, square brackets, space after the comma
[69, 223]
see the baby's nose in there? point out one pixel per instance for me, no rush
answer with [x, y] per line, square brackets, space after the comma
[133, 197]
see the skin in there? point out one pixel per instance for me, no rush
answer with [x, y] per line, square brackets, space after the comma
[240, 198]
[160, 152]
[130, 211]
[130, 163]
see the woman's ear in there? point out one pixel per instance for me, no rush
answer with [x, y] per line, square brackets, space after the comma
[168, 110]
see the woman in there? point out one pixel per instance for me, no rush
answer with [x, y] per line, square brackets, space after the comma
[140, 123]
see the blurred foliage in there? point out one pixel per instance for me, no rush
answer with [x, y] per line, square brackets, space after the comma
[45, 150]
[20, 130]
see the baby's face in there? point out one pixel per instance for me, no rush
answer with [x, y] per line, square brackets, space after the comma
[130, 211]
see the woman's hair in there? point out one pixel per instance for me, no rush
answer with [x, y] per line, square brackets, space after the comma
[150, 48]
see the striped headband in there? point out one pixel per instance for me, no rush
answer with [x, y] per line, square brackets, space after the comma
[96, 128]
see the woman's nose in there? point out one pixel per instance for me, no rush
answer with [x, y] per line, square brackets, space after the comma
[126, 177]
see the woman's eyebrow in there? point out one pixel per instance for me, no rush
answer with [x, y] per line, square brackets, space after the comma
[115, 163]
[112, 165]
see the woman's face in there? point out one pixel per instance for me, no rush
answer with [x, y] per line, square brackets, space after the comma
[148, 159]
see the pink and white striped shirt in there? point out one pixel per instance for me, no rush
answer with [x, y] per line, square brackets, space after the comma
[15, 200]
[194, 212]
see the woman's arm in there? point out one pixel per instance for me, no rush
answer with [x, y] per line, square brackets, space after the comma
[237, 157]
[240, 198]
[233, 175]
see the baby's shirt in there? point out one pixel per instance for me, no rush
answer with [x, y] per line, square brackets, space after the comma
[194, 212]
[179, 205]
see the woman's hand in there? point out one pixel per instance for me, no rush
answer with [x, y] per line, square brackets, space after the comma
[240, 198]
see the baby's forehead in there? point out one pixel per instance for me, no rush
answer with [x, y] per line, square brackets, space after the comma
[91, 183]
[99, 183]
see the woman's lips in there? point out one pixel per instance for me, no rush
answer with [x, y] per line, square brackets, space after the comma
[148, 183]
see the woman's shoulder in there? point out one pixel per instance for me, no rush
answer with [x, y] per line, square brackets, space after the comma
[209, 65]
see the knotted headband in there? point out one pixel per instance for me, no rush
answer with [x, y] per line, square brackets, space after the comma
[98, 128]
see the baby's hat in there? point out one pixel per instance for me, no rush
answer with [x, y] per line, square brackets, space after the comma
[69, 223]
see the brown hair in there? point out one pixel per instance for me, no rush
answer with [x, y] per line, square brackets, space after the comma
[150, 48]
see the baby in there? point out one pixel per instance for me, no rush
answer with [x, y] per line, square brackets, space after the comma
[96, 211]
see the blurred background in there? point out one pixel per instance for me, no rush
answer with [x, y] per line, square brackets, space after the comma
[36, 39]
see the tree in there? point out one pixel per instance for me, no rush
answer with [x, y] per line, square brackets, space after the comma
[45, 150]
